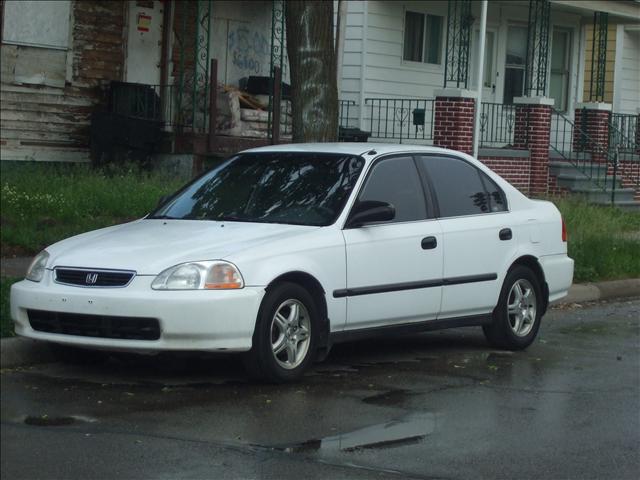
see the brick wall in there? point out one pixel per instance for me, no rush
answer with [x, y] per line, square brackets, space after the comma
[515, 170]
[453, 123]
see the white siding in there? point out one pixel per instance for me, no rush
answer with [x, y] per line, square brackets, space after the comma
[630, 74]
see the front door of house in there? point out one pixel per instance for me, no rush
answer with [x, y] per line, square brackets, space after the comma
[144, 42]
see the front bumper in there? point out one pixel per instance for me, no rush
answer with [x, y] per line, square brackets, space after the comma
[190, 320]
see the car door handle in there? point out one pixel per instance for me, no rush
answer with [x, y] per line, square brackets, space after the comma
[429, 243]
[505, 234]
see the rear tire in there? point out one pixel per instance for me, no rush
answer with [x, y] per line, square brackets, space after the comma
[516, 318]
[285, 337]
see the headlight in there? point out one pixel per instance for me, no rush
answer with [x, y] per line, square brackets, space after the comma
[207, 275]
[36, 270]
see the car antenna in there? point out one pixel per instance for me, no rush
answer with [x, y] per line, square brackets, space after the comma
[371, 152]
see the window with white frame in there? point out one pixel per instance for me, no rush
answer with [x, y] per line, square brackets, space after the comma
[560, 61]
[515, 62]
[422, 37]
[35, 35]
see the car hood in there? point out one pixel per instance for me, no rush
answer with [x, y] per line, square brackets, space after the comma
[150, 246]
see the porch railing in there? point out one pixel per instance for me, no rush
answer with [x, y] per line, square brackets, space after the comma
[347, 113]
[600, 163]
[164, 104]
[400, 118]
[497, 122]
[623, 132]
[575, 146]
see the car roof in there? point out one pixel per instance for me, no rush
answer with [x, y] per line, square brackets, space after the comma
[350, 148]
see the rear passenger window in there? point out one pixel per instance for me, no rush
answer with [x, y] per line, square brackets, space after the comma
[462, 189]
[396, 181]
[497, 201]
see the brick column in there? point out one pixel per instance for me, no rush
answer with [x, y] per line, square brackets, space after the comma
[453, 122]
[532, 130]
[592, 119]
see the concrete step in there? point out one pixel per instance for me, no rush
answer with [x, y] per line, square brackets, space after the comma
[564, 156]
[631, 205]
[597, 195]
[563, 167]
[577, 180]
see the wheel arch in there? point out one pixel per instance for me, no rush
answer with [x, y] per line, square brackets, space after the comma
[532, 264]
[317, 292]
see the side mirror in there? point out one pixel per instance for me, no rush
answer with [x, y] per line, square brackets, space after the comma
[370, 211]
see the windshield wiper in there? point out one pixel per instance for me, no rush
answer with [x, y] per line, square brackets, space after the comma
[163, 217]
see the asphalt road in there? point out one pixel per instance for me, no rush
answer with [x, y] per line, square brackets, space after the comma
[436, 405]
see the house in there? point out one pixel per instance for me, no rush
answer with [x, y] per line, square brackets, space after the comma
[558, 101]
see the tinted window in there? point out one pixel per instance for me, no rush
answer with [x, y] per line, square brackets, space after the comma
[457, 186]
[293, 187]
[395, 181]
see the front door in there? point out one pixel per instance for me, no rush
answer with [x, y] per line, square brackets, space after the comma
[394, 268]
[144, 42]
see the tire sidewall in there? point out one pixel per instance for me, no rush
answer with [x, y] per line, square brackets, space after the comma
[501, 316]
[262, 335]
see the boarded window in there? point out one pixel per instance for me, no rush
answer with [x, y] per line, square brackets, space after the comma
[422, 38]
[36, 38]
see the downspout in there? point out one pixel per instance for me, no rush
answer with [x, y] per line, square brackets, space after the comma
[342, 31]
[363, 61]
[483, 33]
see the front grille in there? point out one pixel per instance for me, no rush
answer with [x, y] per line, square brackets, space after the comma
[102, 326]
[85, 277]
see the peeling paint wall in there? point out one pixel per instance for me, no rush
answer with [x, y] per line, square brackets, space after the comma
[48, 94]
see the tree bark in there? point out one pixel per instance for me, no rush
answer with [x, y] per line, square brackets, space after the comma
[312, 63]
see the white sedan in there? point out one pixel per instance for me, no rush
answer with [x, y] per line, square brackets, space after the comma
[282, 251]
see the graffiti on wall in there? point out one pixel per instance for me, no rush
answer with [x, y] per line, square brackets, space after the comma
[248, 49]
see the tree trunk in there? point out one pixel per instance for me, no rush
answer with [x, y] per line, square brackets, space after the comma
[312, 62]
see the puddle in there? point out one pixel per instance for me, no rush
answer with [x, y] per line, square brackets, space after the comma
[403, 431]
[47, 421]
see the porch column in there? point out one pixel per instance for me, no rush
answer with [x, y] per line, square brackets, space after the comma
[454, 119]
[533, 111]
[532, 130]
[592, 120]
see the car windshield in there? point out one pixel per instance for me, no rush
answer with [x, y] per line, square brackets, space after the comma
[286, 187]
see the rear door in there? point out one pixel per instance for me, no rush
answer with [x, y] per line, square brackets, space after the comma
[394, 268]
[478, 240]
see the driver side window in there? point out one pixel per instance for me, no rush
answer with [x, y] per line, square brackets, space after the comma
[395, 180]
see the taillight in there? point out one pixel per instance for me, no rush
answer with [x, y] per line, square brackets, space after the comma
[564, 230]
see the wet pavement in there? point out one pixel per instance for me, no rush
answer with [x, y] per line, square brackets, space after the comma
[435, 405]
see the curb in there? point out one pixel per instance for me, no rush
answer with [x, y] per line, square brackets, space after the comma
[18, 351]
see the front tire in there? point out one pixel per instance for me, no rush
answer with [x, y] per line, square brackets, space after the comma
[284, 341]
[516, 318]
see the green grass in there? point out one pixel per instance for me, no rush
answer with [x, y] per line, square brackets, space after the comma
[6, 324]
[41, 204]
[603, 241]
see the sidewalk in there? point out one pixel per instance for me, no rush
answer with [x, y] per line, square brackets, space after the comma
[15, 352]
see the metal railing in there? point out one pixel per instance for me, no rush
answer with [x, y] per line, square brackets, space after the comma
[400, 119]
[497, 124]
[158, 103]
[575, 146]
[623, 130]
[347, 108]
